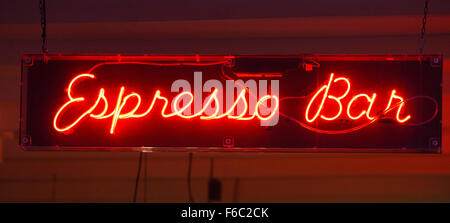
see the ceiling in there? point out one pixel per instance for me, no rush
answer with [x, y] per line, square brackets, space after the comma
[68, 11]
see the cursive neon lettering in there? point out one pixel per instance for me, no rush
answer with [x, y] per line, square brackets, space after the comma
[402, 103]
[325, 89]
[122, 101]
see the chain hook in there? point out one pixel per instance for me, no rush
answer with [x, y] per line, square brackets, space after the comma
[43, 26]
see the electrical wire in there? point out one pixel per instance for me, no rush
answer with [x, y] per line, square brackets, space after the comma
[191, 197]
[236, 190]
[436, 111]
[380, 115]
[137, 177]
[211, 168]
[211, 175]
[145, 177]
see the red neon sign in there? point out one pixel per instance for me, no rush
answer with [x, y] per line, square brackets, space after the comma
[109, 102]
[337, 99]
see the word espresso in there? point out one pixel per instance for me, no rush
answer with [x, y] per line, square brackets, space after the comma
[210, 109]
[350, 111]
[237, 108]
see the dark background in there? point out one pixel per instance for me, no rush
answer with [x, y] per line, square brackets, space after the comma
[219, 27]
[45, 84]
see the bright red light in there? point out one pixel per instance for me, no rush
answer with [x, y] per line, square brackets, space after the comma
[402, 103]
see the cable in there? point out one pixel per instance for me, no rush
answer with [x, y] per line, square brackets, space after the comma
[43, 13]
[191, 198]
[225, 76]
[436, 110]
[423, 29]
[145, 177]
[137, 177]
[236, 191]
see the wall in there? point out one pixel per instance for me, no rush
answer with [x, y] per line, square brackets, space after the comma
[221, 27]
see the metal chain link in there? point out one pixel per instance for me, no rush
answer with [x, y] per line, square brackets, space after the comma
[43, 25]
[423, 30]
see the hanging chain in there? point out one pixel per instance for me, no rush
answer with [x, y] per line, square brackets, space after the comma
[423, 30]
[43, 26]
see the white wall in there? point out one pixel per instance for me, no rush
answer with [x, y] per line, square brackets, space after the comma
[110, 176]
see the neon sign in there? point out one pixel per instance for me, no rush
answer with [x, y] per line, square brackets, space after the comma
[116, 113]
[251, 101]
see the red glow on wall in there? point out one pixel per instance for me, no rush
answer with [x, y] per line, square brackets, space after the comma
[198, 101]
[327, 98]
[117, 113]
